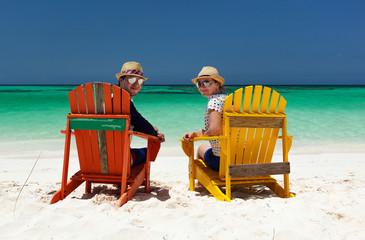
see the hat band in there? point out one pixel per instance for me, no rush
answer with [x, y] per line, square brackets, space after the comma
[205, 75]
[133, 72]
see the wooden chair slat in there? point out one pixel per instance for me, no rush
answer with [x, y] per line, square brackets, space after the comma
[272, 143]
[85, 143]
[264, 145]
[263, 169]
[251, 102]
[108, 108]
[249, 145]
[125, 103]
[274, 132]
[247, 99]
[117, 100]
[256, 145]
[256, 99]
[78, 136]
[109, 135]
[117, 135]
[268, 131]
[228, 103]
[99, 98]
[228, 108]
[95, 150]
[241, 145]
[237, 104]
[265, 100]
[102, 165]
[80, 93]
[281, 106]
[246, 106]
[73, 101]
[89, 93]
[273, 102]
[90, 103]
[256, 122]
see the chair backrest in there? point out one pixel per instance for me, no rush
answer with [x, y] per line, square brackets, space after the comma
[100, 151]
[251, 123]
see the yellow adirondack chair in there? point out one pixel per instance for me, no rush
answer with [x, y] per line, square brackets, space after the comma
[250, 130]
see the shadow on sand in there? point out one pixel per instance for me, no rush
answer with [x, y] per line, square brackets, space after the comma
[108, 193]
[242, 192]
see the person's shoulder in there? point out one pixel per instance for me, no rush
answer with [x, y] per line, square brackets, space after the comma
[220, 96]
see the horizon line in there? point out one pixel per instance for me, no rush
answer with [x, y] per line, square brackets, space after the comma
[191, 84]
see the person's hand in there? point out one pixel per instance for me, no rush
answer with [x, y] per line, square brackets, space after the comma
[189, 136]
[161, 137]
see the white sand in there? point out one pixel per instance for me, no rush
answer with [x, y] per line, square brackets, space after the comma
[329, 203]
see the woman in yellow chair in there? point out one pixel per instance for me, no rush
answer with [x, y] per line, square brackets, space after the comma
[210, 85]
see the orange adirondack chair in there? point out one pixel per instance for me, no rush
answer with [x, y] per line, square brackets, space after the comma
[100, 118]
[251, 124]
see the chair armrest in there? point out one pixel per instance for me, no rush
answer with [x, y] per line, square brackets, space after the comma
[188, 147]
[290, 141]
[144, 136]
[63, 132]
[202, 138]
[153, 145]
[287, 136]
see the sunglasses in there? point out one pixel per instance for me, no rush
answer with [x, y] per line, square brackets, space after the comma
[132, 80]
[205, 83]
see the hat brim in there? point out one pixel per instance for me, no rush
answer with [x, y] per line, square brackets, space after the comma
[118, 75]
[217, 78]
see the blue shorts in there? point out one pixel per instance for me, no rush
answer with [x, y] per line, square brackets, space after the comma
[211, 160]
[139, 155]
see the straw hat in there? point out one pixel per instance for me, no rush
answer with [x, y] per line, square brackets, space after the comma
[131, 68]
[209, 72]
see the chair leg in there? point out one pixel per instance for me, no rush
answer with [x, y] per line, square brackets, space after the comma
[192, 173]
[88, 187]
[191, 177]
[132, 189]
[228, 187]
[210, 185]
[192, 183]
[286, 185]
[277, 189]
[70, 186]
[147, 181]
[151, 155]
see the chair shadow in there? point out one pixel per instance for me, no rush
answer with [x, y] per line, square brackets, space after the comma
[112, 193]
[242, 192]
[160, 193]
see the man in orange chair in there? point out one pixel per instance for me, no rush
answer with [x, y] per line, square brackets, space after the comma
[131, 79]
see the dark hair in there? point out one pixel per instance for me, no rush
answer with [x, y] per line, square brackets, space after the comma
[120, 78]
[221, 88]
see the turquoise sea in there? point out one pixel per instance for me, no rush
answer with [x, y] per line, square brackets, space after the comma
[321, 118]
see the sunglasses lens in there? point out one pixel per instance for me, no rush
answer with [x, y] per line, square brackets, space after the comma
[206, 83]
[132, 80]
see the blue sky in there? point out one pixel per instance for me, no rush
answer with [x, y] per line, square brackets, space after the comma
[250, 42]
